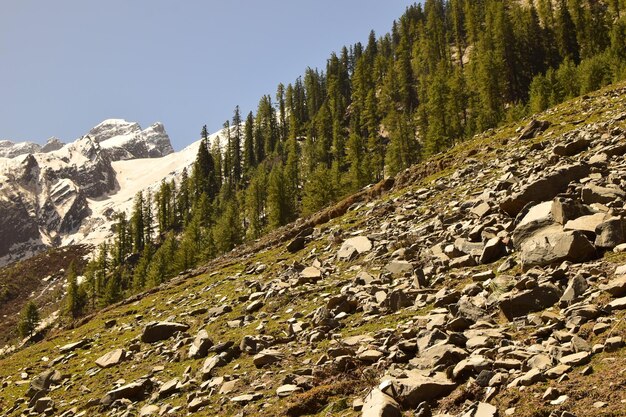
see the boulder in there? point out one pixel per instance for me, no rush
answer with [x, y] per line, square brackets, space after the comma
[537, 221]
[576, 359]
[575, 289]
[157, 331]
[200, 345]
[572, 148]
[112, 358]
[565, 209]
[417, 387]
[533, 128]
[135, 391]
[267, 357]
[288, 389]
[595, 194]
[360, 244]
[556, 247]
[399, 267]
[616, 286]
[210, 364]
[43, 404]
[545, 188]
[516, 304]
[610, 233]
[379, 404]
[587, 223]
[486, 410]
[494, 250]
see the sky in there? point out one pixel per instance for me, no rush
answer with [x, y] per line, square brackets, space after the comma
[67, 65]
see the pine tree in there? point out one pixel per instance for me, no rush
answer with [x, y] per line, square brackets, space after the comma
[205, 172]
[255, 203]
[566, 34]
[277, 198]
[162, 265]
[249, 160]
[75, 299]
[320, 189]
[29, 320]
[148, 219]
[137, 223]
[235, 150]
[227, 230]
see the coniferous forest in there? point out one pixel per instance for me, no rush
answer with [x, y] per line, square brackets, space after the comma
[446, 71]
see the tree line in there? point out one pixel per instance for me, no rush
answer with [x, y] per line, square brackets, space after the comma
[446, 71]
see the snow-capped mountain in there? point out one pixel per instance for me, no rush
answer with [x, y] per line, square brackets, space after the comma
[66, 194]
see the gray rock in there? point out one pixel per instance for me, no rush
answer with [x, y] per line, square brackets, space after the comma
[554, 248]
[594, 194]
[210, 364]
[399, 267]
[610, 233]
[587, 223]
[379, 404]
[416, 387]
[571, 148]
[494, 250]
[200, 345]
[533, 129]
[545, 188]
[135, 391]
[112, 358]
[576, 359]
[486, 410]
[616, 286]
[575, 289]
[197, 403]
[43, 404]
[157, 331]
[516, 304]
[267, 357]
[360, 244]
[170, 388]
[287, 390]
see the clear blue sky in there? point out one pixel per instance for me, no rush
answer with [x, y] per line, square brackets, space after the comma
[66, 65]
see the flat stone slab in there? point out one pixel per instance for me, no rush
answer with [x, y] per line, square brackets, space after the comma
[111, 359]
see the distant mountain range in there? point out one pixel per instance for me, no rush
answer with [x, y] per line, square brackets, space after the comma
[60, 194]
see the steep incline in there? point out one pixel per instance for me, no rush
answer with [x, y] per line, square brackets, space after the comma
[488, 281]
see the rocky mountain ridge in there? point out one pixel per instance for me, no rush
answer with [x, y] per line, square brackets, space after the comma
[488, 281]
[53, 195]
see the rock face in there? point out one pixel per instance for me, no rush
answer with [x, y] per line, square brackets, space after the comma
[47, 194]
[126, 140]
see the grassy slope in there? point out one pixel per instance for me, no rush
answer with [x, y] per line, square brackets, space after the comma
[224, 281]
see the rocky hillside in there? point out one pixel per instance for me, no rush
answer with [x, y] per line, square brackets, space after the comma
[57, 194]
[488, 281]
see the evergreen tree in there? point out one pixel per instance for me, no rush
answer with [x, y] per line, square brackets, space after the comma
[29, 320]
[278, 208]
[137, 223]
[76, 297]
[162, 265]
[320, 189]
[227, 230]
[249, 160]
[204, 172]
[235, 150]
[566, 34]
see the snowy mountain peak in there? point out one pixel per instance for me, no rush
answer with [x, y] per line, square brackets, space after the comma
[126, 140]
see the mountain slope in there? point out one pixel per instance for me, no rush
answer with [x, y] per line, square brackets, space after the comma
[469, 288]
